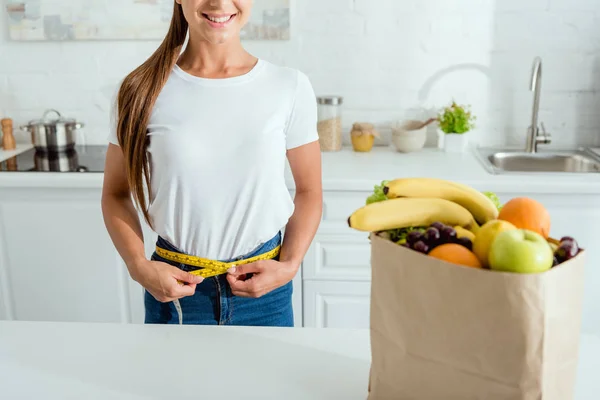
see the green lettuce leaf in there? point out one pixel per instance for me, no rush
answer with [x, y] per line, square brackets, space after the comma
[377, 193]
[494, 198]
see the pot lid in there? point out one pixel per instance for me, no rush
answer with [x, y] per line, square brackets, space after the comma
[330, 100]
[48, 118]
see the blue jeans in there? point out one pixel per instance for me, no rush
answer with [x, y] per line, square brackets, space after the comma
[214, 304]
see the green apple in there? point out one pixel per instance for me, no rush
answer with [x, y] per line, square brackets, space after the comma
[521, 251]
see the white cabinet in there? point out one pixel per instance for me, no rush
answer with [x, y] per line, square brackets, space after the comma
[330, 304]
[338, 257]
[57, 262]
[337, 267]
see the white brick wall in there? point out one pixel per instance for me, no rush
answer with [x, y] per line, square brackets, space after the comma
[388, 58]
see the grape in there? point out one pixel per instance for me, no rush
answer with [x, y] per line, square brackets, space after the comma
[448, 234]
[567, 250]
[466, 242]
[432, 236]
[555, 262]
[438, 225]
[405, 244]
[421, 247]
[567, 239]
[414, 236]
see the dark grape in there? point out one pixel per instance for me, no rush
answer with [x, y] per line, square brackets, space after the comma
[432, 236]
[466, 242]
[555, 262]
[448, 234]
[414, 236]
[438, 225]
[567, 238]
[566, 250]
[421, 247]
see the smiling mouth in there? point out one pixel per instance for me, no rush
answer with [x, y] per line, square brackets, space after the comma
[219, 21]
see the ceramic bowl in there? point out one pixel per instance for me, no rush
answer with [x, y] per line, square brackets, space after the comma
[407, 138]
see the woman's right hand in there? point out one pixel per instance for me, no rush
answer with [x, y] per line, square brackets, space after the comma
[166, 282]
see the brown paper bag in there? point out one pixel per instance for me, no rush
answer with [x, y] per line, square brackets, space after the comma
[443, 331]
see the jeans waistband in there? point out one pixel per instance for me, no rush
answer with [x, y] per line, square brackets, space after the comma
[263, 248]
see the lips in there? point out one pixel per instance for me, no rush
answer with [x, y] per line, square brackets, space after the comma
[220, 20]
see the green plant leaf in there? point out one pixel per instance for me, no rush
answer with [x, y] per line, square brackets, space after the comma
[456, 119]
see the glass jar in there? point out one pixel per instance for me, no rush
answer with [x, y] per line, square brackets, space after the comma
[363, 136]
[330, 122]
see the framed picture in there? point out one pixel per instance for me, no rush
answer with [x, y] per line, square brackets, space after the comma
[60, 20]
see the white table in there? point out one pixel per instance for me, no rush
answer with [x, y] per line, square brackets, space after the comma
[113, 361]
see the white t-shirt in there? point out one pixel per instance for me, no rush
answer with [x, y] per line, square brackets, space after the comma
[218, 156]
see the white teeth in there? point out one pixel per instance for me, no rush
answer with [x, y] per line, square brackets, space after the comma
[219, 20]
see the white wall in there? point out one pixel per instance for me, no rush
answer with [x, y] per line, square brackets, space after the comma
[384, 56]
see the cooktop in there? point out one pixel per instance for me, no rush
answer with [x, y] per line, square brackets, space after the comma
[88, 158]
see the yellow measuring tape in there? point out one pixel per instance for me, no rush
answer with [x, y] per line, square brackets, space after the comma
[208, 267]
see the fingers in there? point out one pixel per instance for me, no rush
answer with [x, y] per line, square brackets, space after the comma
[252, 268]
[246, 288]
[175, 284]
[183, 285]
[180, 291]
[175, 291]
[186, 276]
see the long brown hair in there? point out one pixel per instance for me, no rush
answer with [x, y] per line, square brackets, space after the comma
[135, 101]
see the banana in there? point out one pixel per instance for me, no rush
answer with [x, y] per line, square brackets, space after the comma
[478, 204]
[462, 232]
[406, 212]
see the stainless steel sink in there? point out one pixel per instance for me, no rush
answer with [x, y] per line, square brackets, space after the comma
[530, 159]
[560, 161]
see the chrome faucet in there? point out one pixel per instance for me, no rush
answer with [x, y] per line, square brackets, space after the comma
[533, 134]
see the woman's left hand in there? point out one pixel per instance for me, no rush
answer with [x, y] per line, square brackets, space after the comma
[267, 275]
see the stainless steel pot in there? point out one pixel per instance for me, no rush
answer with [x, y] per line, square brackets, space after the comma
[53, 134]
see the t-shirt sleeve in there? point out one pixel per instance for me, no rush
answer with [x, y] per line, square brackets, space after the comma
[113, 118]
[302, 124]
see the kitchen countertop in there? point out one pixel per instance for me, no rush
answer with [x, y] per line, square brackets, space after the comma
[350, 171]
[52, 360]
[121, 361]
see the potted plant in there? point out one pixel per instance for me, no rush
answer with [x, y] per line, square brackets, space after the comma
[455, 122]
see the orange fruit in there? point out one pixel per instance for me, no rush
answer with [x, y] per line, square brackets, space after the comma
[527, 213]
[456, 254]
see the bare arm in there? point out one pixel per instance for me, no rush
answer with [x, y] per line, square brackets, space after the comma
[123, 225]
[120, 216]
[305, 163]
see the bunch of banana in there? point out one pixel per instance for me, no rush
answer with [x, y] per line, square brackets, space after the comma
[478, 204]
[407, 212]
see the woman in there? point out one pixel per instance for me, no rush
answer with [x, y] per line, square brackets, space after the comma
[199, 144]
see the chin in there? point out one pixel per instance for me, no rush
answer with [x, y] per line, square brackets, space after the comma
[218, 38]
